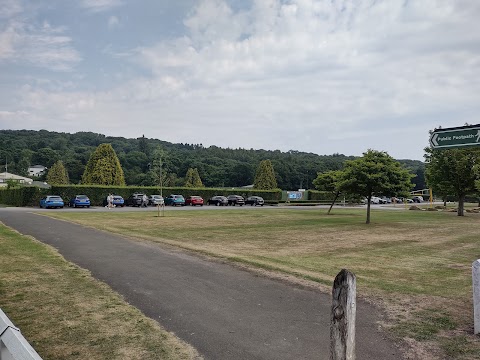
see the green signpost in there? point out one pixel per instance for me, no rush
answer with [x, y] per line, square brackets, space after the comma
[455, 137]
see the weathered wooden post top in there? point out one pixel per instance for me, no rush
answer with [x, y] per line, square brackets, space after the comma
[476, 296]
[344, 308]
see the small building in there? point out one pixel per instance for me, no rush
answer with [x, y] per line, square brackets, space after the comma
[36, 170]
[247, 186]
[5, 176]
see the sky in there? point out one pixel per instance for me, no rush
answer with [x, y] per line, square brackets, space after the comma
[320, 76]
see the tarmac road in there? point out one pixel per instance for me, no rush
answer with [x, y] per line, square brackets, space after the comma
[224, 312]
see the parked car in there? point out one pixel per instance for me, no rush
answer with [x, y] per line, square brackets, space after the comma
[386, 200]
[194, 201]
[397, 200]
[175, 200]
[418, 199]
[136, 199]
[375, 200]
[117, 201]
[378, 200]
[255, 200]
[79, 201]
[155, 200]
[235, 200]
[51, 201]
[218, 200]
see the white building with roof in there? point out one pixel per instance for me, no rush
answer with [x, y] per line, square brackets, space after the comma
[36, 170]
[5, 176]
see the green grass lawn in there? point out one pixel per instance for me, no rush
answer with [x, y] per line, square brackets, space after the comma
[66, 314]
[417, 264]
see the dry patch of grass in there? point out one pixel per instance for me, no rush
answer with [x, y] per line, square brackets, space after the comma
[414, 263]
[66, 314]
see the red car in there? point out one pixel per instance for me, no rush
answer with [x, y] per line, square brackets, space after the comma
[194, 200]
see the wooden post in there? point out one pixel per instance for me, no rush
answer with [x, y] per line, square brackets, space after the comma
[344, 308]
[476, 296]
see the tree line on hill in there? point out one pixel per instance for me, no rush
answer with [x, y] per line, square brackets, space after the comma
[139, 159]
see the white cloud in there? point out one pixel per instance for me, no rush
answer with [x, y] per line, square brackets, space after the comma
[213, 21]
[10, 8]
[100, 5]
[42, 46]
[346, 60]
[113, 22]
[8, 37]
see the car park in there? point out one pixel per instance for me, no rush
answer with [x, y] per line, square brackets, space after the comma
[136, 199]
[79, 201]
[155, 200]
[51, 201]
[194, 201]
[218, 200]
[255, 200]
[235, 200]
[175, 200]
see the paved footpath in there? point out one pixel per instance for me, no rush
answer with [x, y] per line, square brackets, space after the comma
[224, 312]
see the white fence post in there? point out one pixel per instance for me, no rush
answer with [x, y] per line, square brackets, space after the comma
[344, 309]
[476, 296]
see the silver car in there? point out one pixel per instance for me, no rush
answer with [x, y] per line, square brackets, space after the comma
[155, 200]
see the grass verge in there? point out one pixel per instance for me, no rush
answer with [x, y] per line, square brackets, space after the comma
[416, 264]
[66, 314]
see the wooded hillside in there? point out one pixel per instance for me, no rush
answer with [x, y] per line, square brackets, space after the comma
[217, 167]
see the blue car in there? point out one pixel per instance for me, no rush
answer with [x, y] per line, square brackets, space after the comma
[175, 200]
[51, 201]
[79, 201]
[117, 201]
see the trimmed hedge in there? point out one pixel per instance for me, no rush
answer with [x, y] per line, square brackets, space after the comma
[23, 196]
[320, 195]
[30, 196]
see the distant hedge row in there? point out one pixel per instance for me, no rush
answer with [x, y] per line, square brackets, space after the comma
[30, 196]
[320, 195]
[23, 196]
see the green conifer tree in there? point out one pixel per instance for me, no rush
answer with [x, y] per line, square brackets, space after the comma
[189, 178]
[57, 175]
[103, 168]
[265, 176]
[197, 181]
[192, 178]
